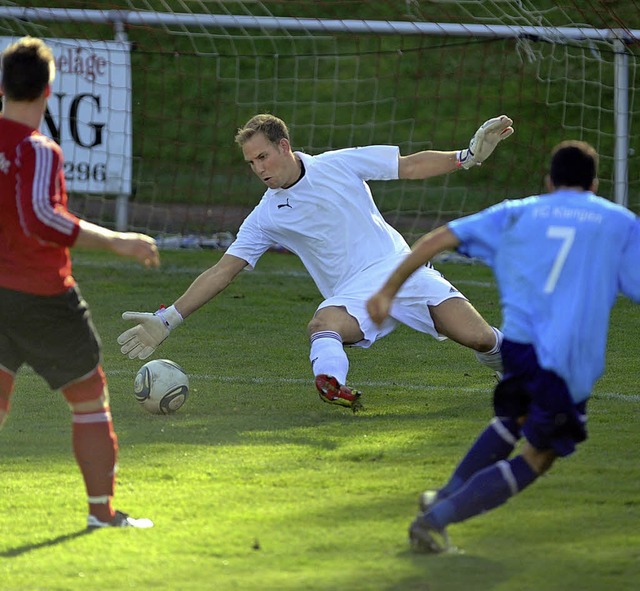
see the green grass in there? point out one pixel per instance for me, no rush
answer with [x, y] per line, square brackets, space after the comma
[256, 485]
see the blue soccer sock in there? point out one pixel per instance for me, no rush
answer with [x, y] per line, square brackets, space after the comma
[495, 443]
[487, 490]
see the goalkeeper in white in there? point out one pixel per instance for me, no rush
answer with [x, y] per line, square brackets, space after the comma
[321, 208]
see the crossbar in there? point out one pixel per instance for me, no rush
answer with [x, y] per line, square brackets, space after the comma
[149, 18]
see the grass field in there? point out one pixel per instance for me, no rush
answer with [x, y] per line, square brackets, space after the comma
[256, 485]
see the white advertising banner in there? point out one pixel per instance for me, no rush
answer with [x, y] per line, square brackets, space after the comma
[89, 113]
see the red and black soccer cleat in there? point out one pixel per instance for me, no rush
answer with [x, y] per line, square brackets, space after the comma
[333, 392]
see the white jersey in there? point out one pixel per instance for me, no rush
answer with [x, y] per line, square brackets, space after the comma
[329, 219]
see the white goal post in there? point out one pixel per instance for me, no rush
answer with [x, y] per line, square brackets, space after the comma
[196, 77]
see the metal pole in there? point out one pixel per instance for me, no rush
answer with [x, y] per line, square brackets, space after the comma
[621, 114]
[147, 17]
[122, 199]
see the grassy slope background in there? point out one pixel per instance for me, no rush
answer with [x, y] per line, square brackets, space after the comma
[191, 92]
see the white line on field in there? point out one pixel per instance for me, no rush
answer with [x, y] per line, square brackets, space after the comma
[366, 384]
[301, 273]
[616, 396]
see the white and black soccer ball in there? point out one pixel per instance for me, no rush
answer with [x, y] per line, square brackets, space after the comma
[161, 387]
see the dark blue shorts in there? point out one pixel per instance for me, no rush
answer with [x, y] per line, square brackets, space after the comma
[553, 420]
[53, 334]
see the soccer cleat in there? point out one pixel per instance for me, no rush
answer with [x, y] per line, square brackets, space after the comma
[333, 392]
[427, 500]
[425, 539]
[120, 519]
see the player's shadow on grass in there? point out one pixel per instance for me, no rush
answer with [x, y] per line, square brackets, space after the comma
[449, 572]
[13, 552]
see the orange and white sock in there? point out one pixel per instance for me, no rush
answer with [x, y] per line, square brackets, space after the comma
[95, 446]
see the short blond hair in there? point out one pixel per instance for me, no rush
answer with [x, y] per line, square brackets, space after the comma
[274, 129]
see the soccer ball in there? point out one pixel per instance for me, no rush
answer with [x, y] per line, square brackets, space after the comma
[161, 387]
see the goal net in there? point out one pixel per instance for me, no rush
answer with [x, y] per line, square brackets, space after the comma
[195, 80]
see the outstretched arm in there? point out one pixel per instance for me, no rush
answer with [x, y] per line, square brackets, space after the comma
[423, 251]
[153, 328]
[209, 284]
[423, 165]
[127, 244]
[428, 163]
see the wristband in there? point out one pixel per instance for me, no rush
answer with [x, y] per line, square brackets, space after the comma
[459, 159]
[170, 316]
[465, 158]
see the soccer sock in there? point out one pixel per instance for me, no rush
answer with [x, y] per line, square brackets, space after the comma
[486, 490]
[495, 443]
[492, 358]
[95, 446]
[328, 356]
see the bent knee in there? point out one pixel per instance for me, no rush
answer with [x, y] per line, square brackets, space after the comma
[480, 342]
[314, 326]
[540, 460]
[458, 320]
[484, 340]
[336, 319]
[88, 394]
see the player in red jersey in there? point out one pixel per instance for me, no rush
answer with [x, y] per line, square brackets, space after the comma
[44, 321]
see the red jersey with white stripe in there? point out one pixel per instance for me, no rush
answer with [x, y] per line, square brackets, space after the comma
[36, 228]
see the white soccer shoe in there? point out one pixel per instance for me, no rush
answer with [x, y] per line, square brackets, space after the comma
[120, 519]
[425, 539]
[427, 500]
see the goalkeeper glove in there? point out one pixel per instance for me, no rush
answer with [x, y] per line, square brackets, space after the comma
[143, 339]
[484, 141]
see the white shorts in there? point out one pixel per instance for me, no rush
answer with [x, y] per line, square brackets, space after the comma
[426, 287]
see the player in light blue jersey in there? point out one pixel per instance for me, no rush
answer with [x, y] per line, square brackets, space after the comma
[560, 260]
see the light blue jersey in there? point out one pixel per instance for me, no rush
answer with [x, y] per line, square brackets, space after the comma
[560, 261]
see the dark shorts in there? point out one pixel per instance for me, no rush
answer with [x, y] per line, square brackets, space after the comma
[553, 420]
[53, 334]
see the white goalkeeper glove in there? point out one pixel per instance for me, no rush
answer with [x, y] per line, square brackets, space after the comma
[143, 339]
[484, 141]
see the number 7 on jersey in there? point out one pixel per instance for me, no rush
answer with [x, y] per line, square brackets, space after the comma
[567, 235]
